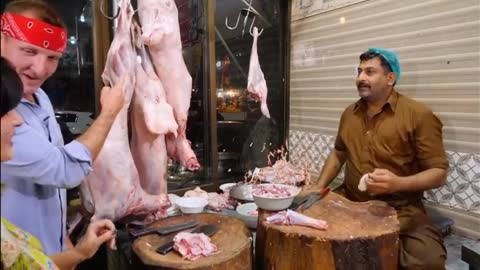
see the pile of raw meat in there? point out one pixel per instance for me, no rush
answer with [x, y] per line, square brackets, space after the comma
[193, 246]
[271, 191]
[129, 176]
[282, 172]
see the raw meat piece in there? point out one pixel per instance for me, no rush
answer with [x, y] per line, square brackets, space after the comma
[217, 202]
[161, 33]
[150, 95]
[192, 246]
[257, 85]
[112, 190]
[290, 217]
[282, 172]
[271, 191]
[151, 118]
[121, 56]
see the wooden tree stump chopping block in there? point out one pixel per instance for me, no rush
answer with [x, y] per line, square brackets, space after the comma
[233, 240]
[359, 236]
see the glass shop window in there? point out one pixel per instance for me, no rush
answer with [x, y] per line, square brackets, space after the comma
[245, 136]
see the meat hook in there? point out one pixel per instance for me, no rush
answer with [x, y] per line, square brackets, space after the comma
[247, 12]
[106, 16]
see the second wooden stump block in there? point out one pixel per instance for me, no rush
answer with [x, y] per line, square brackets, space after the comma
[359, 236]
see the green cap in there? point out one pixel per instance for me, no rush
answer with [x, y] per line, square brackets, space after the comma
[391, 58]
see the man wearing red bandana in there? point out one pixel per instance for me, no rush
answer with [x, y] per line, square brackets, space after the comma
[33, 39]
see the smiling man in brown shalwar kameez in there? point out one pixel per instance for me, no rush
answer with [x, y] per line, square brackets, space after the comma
[398, 142]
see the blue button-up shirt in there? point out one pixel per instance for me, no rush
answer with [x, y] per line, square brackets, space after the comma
[36, 178]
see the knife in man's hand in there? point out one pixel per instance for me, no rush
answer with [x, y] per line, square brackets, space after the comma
[315, 197]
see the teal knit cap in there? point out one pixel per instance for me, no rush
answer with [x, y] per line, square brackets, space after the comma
[391, 58]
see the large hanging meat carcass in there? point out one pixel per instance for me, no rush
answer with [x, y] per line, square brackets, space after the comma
[152, 118]
[257, 86]
[161, 33]
[112, 190]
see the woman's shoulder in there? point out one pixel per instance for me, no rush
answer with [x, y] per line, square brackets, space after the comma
[21, 250]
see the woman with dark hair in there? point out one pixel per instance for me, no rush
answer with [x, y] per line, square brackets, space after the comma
[10, 96]
[19, 249]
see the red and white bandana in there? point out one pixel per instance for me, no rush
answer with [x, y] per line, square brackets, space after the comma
[34, 31]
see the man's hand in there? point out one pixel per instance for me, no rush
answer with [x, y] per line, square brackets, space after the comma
[308, 189]
[382, 181]
[112, 99]
[98, 232]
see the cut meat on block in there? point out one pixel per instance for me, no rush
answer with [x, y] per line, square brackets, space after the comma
[290, 217]
[193, 246]
[233, 241]
[359, 236]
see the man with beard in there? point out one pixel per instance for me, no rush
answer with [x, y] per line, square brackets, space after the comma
[397, 143]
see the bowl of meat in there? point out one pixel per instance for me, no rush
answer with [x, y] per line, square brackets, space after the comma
[191, 205]
[248, 213]
[274, 197]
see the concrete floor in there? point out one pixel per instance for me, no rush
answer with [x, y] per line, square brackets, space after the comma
[453, 243]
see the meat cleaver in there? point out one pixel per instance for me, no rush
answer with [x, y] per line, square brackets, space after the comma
[163, 230]
[208, 230]
[307, 201]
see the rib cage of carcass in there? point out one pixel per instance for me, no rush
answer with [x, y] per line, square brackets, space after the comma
[129, 177]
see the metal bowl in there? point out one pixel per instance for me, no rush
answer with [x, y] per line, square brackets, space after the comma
[242, 192]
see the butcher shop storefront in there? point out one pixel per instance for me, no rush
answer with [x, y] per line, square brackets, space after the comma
[226, 130]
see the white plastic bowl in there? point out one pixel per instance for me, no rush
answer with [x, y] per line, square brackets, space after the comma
[276, 204]
[243, 211]
[191, 205]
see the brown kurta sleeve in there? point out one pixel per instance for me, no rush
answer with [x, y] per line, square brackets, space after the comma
[339, 143]
[429, 142]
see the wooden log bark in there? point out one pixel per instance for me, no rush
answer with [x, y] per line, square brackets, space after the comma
[233, 240]
[359, 236]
